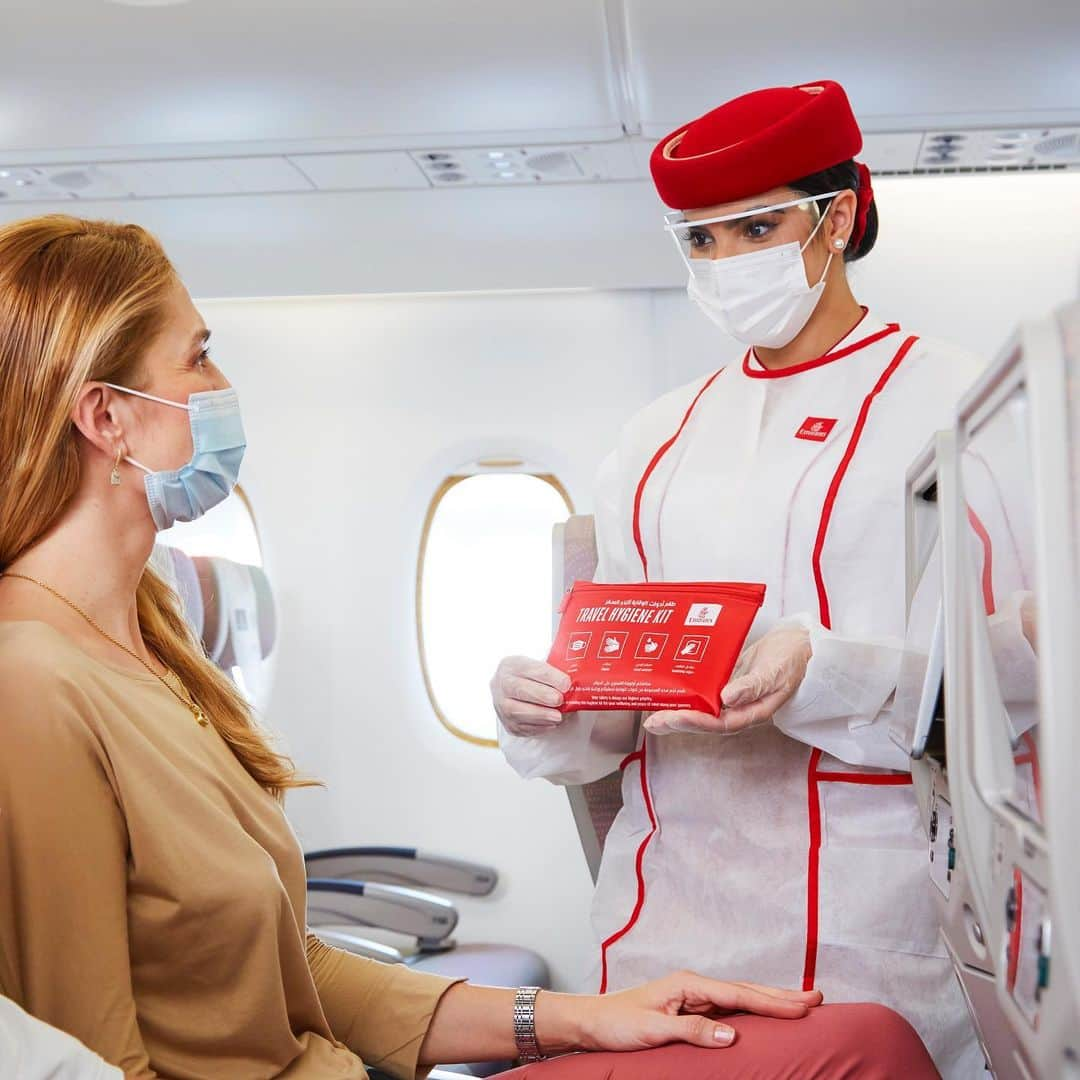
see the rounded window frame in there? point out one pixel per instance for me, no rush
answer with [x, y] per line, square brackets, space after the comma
[448, 484]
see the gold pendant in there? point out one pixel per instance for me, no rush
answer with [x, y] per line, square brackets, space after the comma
[199, 715]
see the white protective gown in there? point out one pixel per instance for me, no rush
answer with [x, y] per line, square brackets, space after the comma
[33, 1050]
[791, 854]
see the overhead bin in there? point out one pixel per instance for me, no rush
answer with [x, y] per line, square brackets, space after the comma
[911, 66]
[377, 75]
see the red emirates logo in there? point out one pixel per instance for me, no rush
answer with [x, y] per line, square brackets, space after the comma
[815, 429]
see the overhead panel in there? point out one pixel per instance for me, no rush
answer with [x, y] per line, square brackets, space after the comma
[505, 165]
[918, 65]
[151, 179]
[528, 165]
[94, 74]
[1016, 148]
[361, 172]
[895, 152]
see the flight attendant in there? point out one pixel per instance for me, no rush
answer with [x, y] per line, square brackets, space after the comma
[780, 841]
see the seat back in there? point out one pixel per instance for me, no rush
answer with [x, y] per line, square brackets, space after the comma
[594, 805]
[1001, 825]
[230, 607]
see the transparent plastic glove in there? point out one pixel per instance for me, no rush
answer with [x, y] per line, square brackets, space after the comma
[527, 695]
[1029, 621]
[766, 677]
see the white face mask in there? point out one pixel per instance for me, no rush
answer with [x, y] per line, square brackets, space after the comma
[762, 298]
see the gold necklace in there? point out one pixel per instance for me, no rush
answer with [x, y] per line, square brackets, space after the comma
[187, 701]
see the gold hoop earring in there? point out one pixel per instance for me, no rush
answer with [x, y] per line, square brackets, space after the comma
[114, 476]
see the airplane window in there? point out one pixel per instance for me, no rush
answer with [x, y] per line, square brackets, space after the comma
[484, 588]
[228, 530]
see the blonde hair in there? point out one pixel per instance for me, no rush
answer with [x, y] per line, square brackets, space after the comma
[79, 302]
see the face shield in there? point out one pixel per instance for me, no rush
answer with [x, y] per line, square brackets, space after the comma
[701, 240]
[747, 272]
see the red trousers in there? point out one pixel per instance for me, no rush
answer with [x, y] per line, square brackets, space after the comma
[835, 1042]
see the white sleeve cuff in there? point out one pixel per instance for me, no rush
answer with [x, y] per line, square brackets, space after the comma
[839, 704]
[584, 747]
[41, 1052]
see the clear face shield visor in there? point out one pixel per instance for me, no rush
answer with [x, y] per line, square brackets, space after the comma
[705, 239]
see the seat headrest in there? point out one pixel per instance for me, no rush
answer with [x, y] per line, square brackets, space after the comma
[240, 624]
[266, 610]
[579, 548]
[215, 605]
[179, 569]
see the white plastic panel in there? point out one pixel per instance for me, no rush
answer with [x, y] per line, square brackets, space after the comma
[152, 179]
[360, 172]
[1012, 433]
[919, 680]
[1063, 792]
[906, 66]
[999, 488]
[896, 151]
[220, 176]
[100, 74]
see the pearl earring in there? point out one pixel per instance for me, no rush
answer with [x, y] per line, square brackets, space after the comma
[838, 243]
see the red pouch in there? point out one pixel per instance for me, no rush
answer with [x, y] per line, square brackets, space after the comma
[658, 645]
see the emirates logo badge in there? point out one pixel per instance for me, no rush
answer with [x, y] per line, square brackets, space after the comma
[815, 429]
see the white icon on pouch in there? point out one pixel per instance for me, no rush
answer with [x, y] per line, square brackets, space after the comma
[651, 646]
[578, 646]
[692, 648]
[613, 645]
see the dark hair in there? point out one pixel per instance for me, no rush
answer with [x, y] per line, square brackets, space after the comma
[839, 178]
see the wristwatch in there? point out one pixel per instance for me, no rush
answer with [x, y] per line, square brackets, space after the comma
[525, 1024]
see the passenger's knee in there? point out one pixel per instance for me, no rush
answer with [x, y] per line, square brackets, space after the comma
[885, 1043]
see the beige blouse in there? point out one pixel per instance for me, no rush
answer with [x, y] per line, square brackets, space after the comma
[152, 895]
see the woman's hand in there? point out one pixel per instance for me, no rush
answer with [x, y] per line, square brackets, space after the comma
[527, 695]
[682, 1007]
[766, 678]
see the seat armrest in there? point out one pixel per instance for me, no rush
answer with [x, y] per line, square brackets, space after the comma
[351, 943]
[430, 919]
[403, 866]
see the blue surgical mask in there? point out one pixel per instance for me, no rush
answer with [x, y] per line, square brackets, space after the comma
[217, 433]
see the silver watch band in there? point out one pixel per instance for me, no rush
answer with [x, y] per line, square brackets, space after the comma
[525, 1024]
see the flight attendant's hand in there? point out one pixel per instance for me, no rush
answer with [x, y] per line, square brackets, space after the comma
[682, 1007]
[527, 695]
[767, 676]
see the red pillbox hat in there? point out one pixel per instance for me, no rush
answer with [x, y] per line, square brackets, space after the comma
[756, 142]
